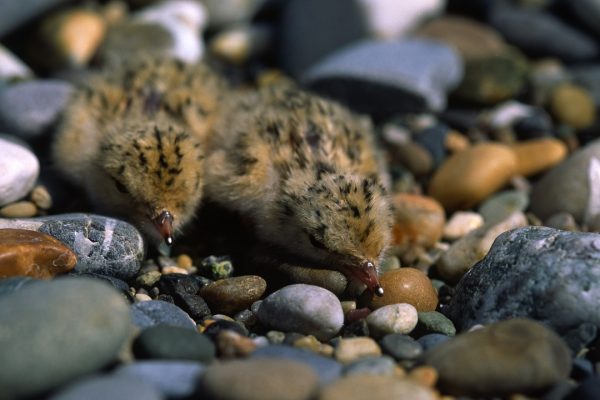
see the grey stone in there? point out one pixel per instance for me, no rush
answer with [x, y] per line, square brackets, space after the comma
[103, 245]
[14, 284]
[432, 340]
[383, 365]
[534, 272]
[305, 309]
[173, 343]
[588, 12]
[14, 13]
[20, 169]
[156, 312]
[228, 12]
[54, 332]
[588, 76]
[109, 387]
[401, 347]
[386, 78]
[435, 322]
[501, 205]
[29, 109]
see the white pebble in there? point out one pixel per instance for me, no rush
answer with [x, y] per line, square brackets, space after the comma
[19, 169]
[461, 223]
[139, 297]
[393, 318]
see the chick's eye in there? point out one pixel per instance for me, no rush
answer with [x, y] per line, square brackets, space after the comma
[120, 187]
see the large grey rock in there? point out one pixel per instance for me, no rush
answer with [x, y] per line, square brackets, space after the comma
[19, 170]
[540, 273]
[14, 13]
[15, 283]
[54, 332]
[109, 387]
[383, 78]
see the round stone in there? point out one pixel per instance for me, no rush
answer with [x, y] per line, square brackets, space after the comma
[573, 105]
[512, 356]
[173, 343]
[20, 209]
[406, 285]
[382, 365]
[157, 312]
[537, 155]
[33, 254]
[375, 387]
[20, 169]
[85, 323]
[306, 309]
[109, 387]
[352, 349]
[435, 322]
[419, 220]
[260, 379]
[469, 176]
[393, 318]
[228, 296]
[401, 347]
[501, 205]
[461, 223]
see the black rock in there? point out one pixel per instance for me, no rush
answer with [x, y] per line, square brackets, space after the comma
[177, 283]
[156, 312]
[182, 290]
[355, 329]
[173, 343]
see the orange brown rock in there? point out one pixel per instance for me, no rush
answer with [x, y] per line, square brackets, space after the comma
[34, 254]
[419, 220]
[534, 156]
[406, 285]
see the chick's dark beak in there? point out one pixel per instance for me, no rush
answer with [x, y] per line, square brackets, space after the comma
[164, 225]
[367, 274]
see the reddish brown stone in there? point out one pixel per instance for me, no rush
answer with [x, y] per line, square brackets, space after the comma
[34, 254]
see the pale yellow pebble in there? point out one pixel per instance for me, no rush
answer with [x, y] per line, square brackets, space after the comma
[40, 196]
[352, 349]
[348, 305]
[461, 223]
[175, 270]
[573, 105]
[20, 209]
[184, 261]
[139, 297]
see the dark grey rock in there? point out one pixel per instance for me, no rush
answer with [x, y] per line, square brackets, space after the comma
[433, 138]
[109, 387]
[580, 337]
[401, 347]
[175, 379]
[588, 76]
[432, 340]
[14, 13]
[589, 389]
[116, 283]
[542, 35]
[355, 329]
[534, 272]
[54, 332]
[435, 322]
[371, 365]
[29, 109]
[327, 369]
[173, 343]
[104, 246]
[14, 284]
[389, 77]
[183, 289]
[587, 11]
[156, 312]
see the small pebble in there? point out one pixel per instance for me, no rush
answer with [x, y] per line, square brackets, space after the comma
[172, 269]
[184, 261]
[563, 221]
[20, 169]
[372, 365]
[41, 197]
[393, 318]
[406, 285]
[231, 344]
[12, 68]
[401, 347]
[501, 205]
[461, 223]
[573, 105]
[173, 343]
[228, 296]
[20, 209]
[139, 297]
[156, 312]
[419, 220]
[352, 349]
[435, 322]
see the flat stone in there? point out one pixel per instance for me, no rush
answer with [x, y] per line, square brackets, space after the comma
[522, 270]
[419, 220]
[352, 349]
[513, 356]
[259, 378]
[393, 318]
[537, 155]
[382, 78]
[33, 254]
[381, 365]
[406, 285]
[228, 296]
[435, 322]
[104, 246]
[306, 309]
[109, 387]
[401, 347]
[157, 312]
[80, 334]
[29, 109]
[375, 387]
[20, 169]
[173, 343]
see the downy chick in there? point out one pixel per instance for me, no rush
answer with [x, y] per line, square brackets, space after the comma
[305, 171]
[134, 139]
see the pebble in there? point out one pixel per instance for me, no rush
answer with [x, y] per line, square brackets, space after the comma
[306, 309]
[588, 76]
[435, 322]
[461, 223]
[20, 169]
[552, 263]
[229, 296]
[587, 12]
[259, 378]
[500, 206]
[157, 312]
[231, 344]
[148, 279]
[465, 252]
[109, 387]
[587, 390]
[432, 340]
[41, 197]
[213, 327]
[406, 285]
[470, 176]
[33, 254]
[80, 334]
[401, 347]
[382, 365]
[375, 387]
[174, 379]
[184, 261]
[28, 109]
[513, 356]
[571, 187]
[183, 289]
[139, 297]
[224, 13]
[419, 220]
[424, 375]
[103, 245]
[173, 343]
[407, 76]
[413, 156]
[19, 209]
[13, 14]
[538, 155]
[327, 369]
[573, 105]
[241, 43]
[393, 318]
[352, 349]
[433, 139]
[131, 39]
[12, 68]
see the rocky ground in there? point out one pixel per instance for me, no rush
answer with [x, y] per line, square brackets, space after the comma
[487, 115]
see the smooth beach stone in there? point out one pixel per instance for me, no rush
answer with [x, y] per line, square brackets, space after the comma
[19, 209]
[12, 68]
[406, 285]
[587, 12]
[33, 254]
[20, 169]
[375, 387]
[573, 106]
[228, 296]
[401, 347]
[157, 312]
[14, 13]
[109, 387]
[393, 318]
[306, 309]
[419, 220]
[85, 324]
[524, 268]
[351, 349]
[103, 245]
[239, 44]
[465, 252]
[29, 109]
[432, 340]
[260, 379]
[469, 176]
[461, 223]
[380, 365]
[382, 78]
[435, 322]
[173, 343]
[512, 356]
[16, 283]
[571, 186]
[537, 155]
[500, 206]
